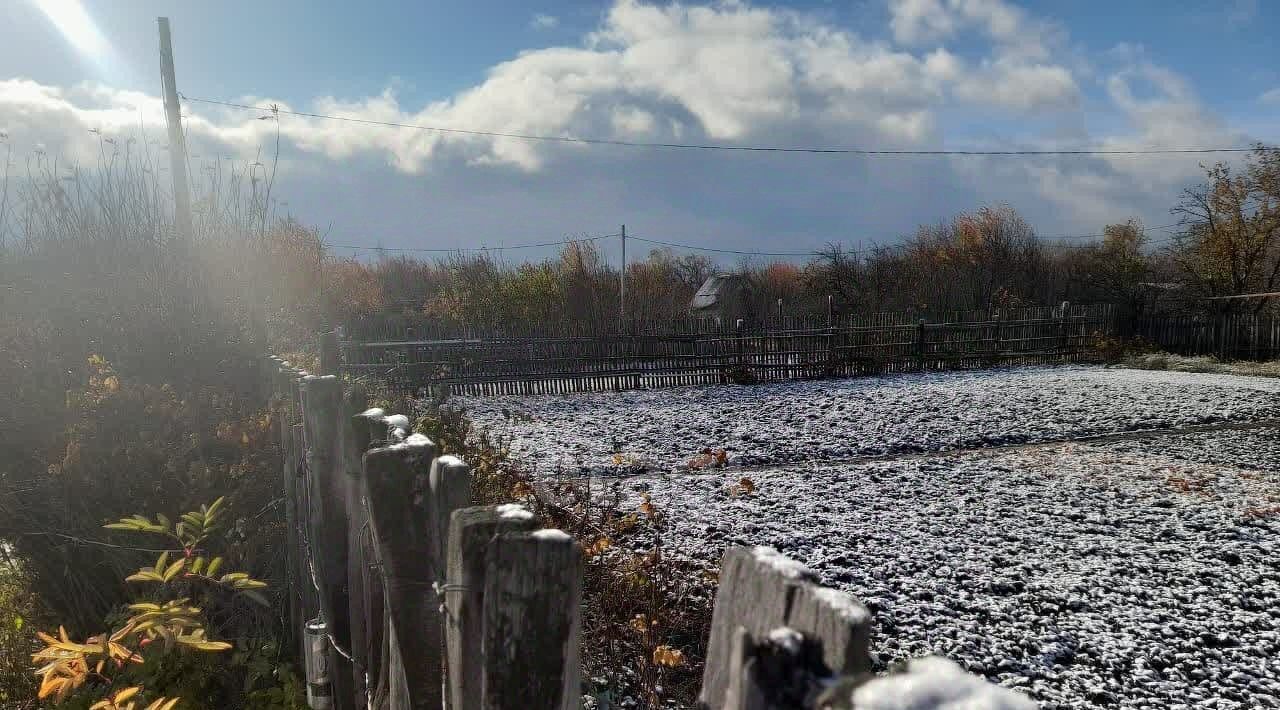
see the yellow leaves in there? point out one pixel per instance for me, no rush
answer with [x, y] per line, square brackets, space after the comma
[709, 458]
[665, 655]
[647, 507]
[98, 364]
[599, 547]
[173, 569]
[124, 700]
[641, 624]
[521, 489]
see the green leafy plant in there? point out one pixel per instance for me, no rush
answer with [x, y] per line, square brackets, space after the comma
[157, 625]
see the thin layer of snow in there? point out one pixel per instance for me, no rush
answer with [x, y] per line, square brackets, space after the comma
[663, 430]
[934, 683]
[514, 511]
[414, 441]
[1081, 573]
[849, 608]
[780, 563]
[552, 534]
[396, 421]
[374, 413]
[1137, 573]
[788, 638]
[448, 460]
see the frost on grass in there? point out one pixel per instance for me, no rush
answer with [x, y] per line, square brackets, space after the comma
[624, 433]
[934, 683]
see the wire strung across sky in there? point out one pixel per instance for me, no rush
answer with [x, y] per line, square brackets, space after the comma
[717, 250]
[454, 250]
[276, 110]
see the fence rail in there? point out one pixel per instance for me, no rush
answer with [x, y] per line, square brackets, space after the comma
[1227, 337]
[707, 352]
[406, 597]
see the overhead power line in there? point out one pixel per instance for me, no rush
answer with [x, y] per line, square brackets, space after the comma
[451, 250]
[694, 247]
[747, 252]
[276, 110]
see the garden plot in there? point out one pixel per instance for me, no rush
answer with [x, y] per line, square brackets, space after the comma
[1119, 573]
[663, 430]
[1083, 574]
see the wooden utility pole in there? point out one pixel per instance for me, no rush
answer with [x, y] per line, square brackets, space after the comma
[177, 144]
[622, 278]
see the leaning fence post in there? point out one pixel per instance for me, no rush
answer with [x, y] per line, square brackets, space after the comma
[470, 530]
[532, 622]
[397, 484]
[762, 590]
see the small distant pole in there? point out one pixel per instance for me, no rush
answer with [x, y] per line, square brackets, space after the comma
[177, 144]
[622, 279]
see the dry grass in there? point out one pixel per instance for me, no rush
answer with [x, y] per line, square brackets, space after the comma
[1182, 363]
[646, 617]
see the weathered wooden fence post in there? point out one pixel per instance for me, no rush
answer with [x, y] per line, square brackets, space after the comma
[330, 354]
[324, 420]
[365, 573]
[532, 623]
[411, 497]
[762, 591]
[470, 531]
[920, 343]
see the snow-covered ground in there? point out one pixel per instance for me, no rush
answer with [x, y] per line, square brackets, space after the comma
[1128, 573]
[837, 419]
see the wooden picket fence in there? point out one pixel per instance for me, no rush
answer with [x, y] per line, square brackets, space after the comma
[1227, 337]
[407, 597]
[413, 358]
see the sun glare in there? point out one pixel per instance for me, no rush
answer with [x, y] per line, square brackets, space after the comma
[75, 24]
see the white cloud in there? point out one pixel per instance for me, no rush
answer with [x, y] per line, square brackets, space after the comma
[1270, 97]
[917, 22]
[727, 73]
[542, 21]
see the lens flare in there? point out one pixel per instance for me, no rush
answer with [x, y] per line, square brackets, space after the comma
[75, 24]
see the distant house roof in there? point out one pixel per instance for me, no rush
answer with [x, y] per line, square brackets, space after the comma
[713, 290]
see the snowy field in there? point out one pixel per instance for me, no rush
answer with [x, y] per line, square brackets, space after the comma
[839, 419]
[1117, 573]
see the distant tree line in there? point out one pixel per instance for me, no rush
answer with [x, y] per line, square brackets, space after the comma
[1227, 244]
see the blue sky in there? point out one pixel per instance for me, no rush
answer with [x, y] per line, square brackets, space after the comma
[865, 73]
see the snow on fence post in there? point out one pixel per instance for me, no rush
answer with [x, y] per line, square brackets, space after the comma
[365, 573]
[532, 622]
[323, 420]
[397, 480]
[470, 530]
[762, 591]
